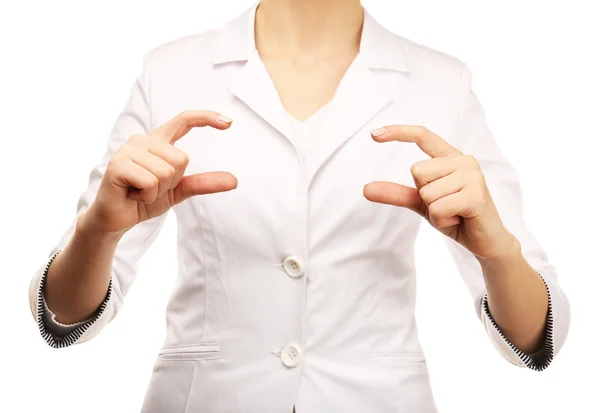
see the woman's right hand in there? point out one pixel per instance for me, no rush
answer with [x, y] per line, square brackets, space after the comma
[144, 178]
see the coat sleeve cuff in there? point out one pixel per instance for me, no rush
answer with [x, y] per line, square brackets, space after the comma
[537, 361]
[54, 327]
[59, 335]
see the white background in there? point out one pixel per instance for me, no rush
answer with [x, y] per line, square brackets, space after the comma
[66, 71]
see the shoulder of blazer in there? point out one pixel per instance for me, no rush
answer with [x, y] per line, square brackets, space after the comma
[430, 65]
[231, 42]
[193, 50]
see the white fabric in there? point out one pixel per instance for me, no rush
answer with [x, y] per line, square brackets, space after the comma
[305, 134]
[351, 312]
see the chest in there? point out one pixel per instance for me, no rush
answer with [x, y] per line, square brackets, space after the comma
[305, 86]
[282, 198]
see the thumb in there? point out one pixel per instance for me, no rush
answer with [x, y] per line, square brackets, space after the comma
[204, 183]
[395, 194]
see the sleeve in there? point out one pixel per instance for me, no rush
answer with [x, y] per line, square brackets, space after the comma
[56, 328]
[135, 118]
[476, 139]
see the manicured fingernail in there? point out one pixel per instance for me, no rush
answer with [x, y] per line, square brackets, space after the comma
[224, 119]
[378, 132]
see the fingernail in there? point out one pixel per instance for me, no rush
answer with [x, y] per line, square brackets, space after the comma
[224, 119]
[378, 132]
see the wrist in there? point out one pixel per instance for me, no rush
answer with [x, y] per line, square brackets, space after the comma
[86, 228]
[507, 250]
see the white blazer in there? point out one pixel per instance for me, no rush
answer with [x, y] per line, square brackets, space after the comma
[293, 289]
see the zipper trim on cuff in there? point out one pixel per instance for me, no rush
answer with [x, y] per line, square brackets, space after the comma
[542, 359]
[73, 336]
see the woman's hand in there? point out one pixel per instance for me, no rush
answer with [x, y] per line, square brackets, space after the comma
[144, 178]
[451, 193]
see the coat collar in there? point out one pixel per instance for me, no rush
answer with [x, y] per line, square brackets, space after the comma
[363, 92]
[235, 42]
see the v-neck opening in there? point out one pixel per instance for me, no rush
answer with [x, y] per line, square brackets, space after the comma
[314, 115]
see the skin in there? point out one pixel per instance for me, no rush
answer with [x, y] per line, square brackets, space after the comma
[452, 195]
[306, 46]
[143, 180]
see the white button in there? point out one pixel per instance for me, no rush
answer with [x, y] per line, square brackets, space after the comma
[291, 355]
[293, 267]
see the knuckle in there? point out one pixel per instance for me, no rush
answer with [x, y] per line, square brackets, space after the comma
[136, 139]
[424, 193]
[181, 159]
[185, 115]
[171, 171]
[416, 169]
[435, 210]
[122, 154]
[168, 172]
[471, 161]
[121, 150]
[421, 131]
[151, 182]
[149, 196]
[115, 166]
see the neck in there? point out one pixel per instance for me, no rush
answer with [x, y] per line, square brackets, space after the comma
[314, 27]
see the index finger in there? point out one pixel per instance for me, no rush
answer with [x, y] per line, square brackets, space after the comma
[429, 142]
[177, 127]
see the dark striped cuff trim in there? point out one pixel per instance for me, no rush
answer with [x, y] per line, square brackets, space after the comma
[542, 359]
[73, 336]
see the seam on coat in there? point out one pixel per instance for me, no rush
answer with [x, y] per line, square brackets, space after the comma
[168, 357]
[200, 354]
[538, 361]
[147, 70]
[213, 343]
[202, 240]
[462, 100]
[277, 352]
[189, 395]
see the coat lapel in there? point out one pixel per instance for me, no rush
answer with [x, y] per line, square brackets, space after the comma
[379, 73]
[253, 86]
[357, 100]
[243, 73]
[360, 96]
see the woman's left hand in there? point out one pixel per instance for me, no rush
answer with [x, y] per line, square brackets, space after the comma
[451, 193]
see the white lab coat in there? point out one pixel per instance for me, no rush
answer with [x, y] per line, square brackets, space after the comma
[293, 289]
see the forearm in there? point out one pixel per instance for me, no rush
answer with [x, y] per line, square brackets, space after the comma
[78, 279]
[517, 298]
